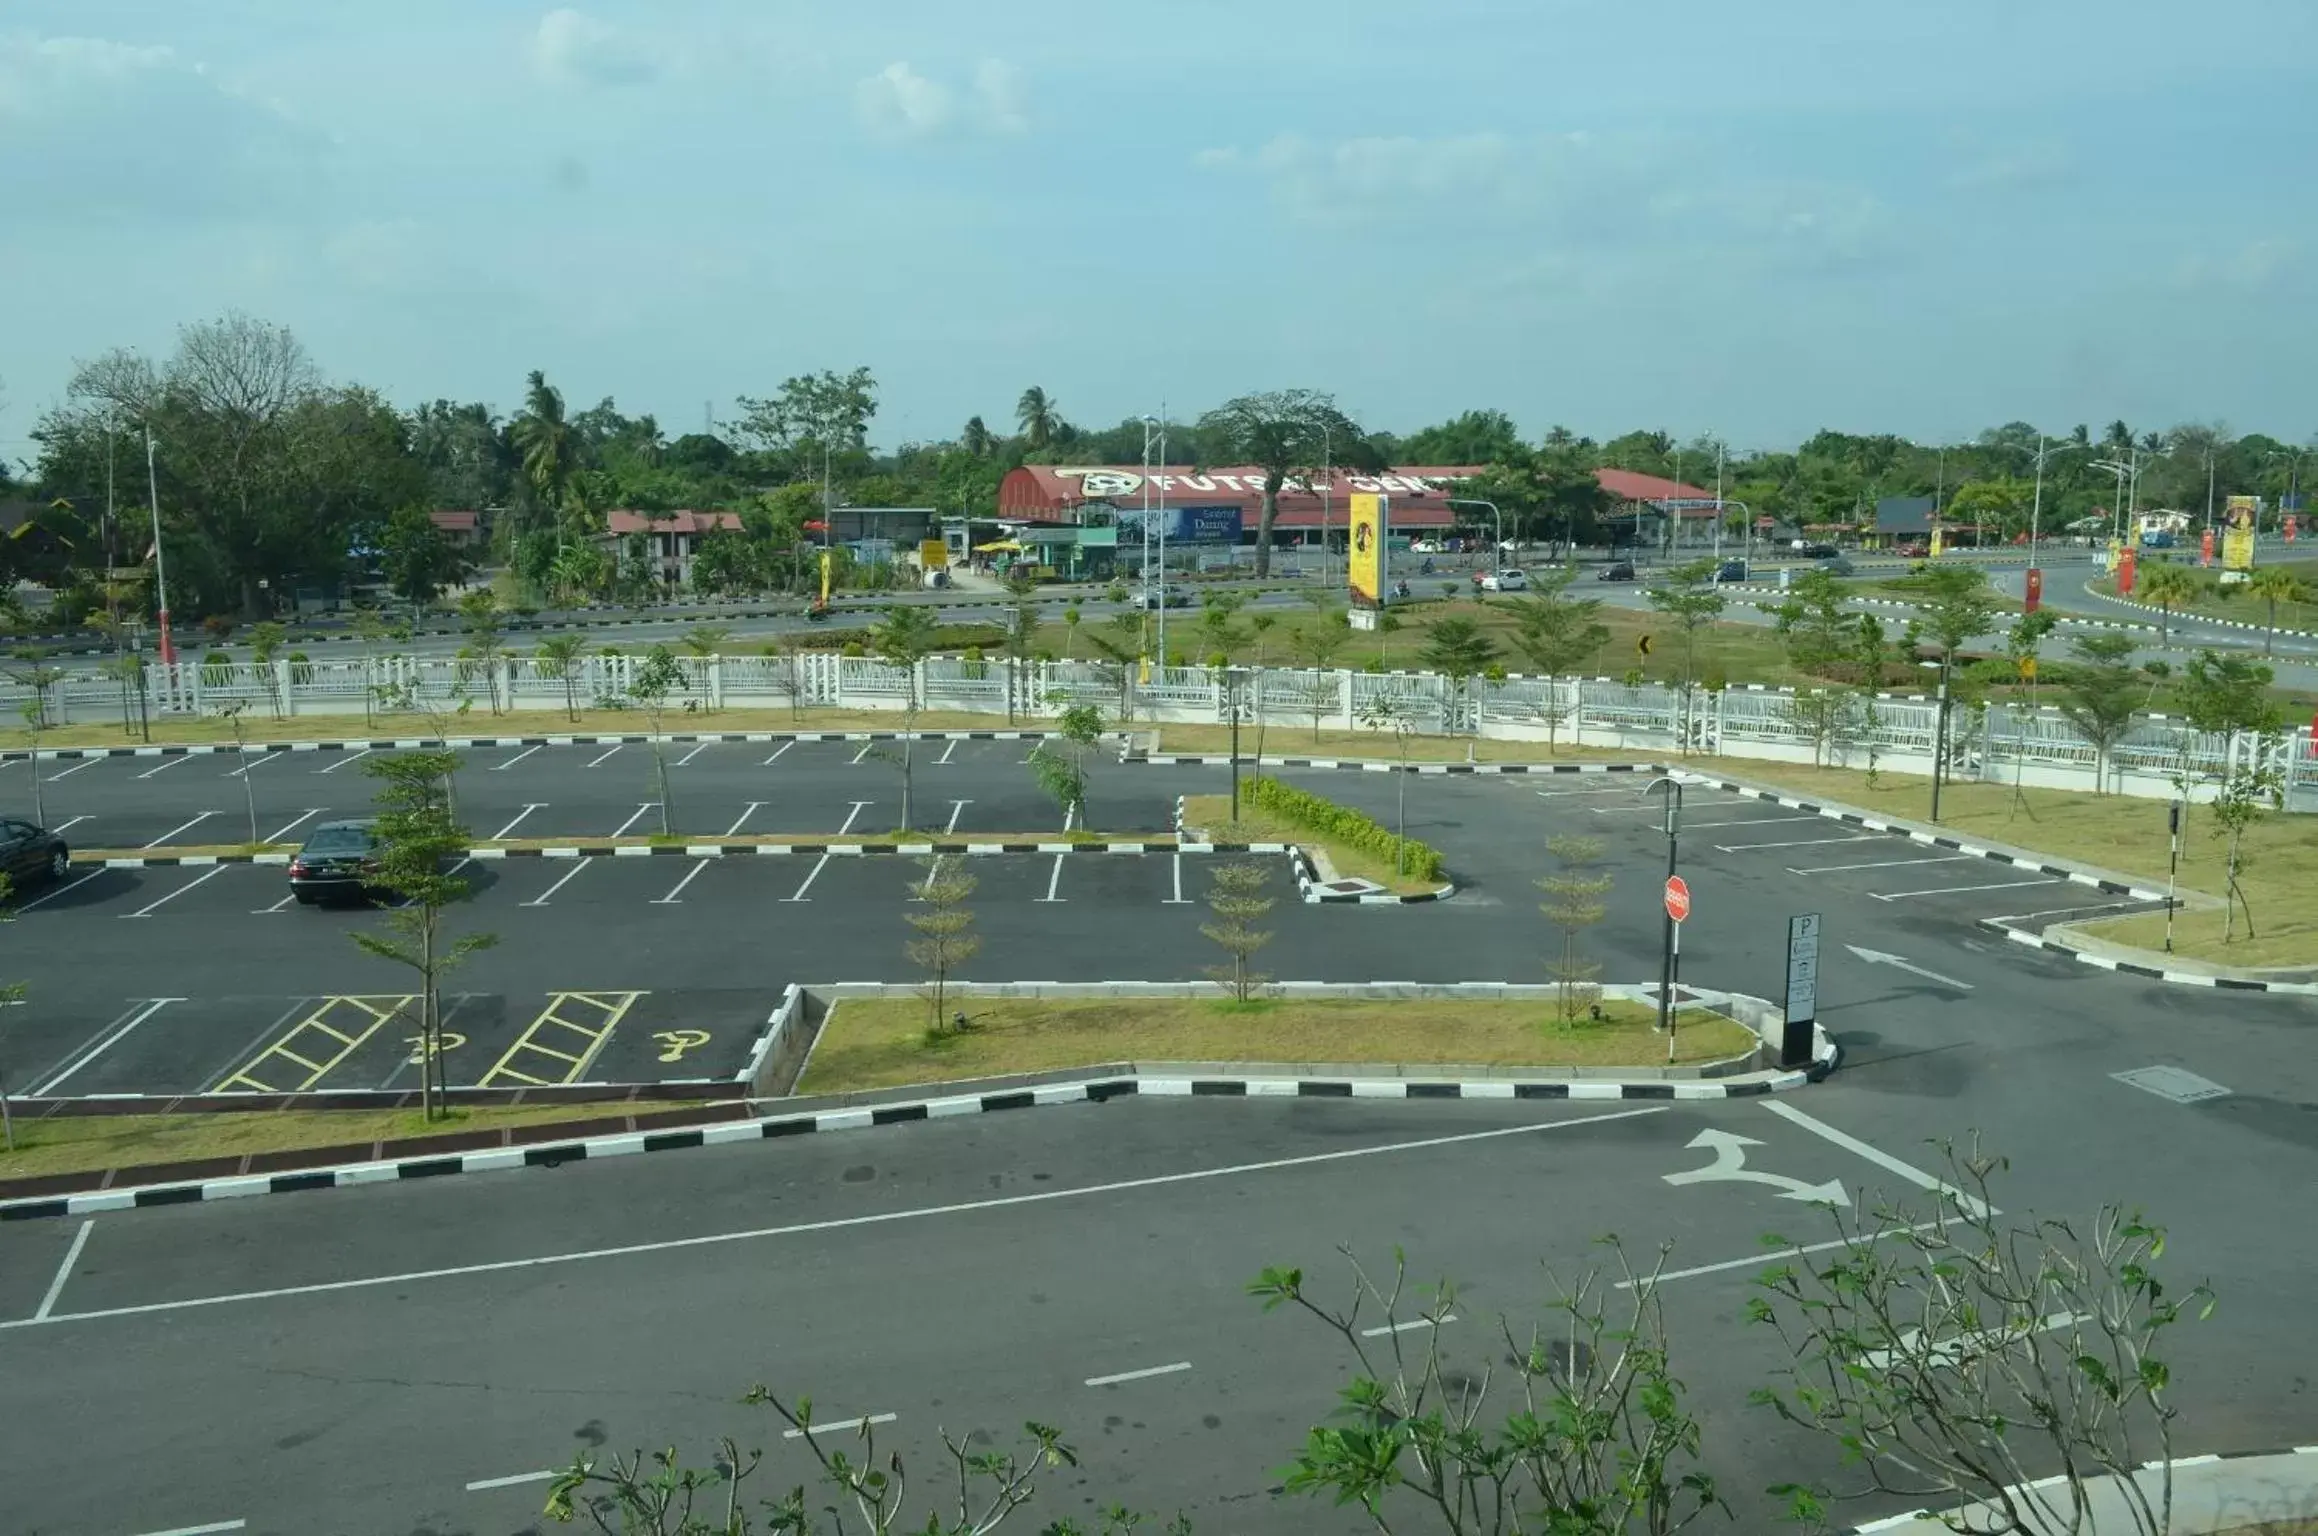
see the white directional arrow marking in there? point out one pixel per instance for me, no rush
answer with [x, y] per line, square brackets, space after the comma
[1730, 1162]
[1961, 1349]
[1878, 957]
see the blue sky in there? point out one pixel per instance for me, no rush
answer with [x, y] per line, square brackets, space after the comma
[1745, 219]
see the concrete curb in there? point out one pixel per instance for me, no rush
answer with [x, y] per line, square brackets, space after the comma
[1309, 884]
[2291, 1459]
[1913, 834]
[1094, 1090]
[2194, 617]
[1370, 765]
[2224, 981]
[708, 849]
[456, 743]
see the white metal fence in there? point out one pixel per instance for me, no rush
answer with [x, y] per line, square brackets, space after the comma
[1998, 742]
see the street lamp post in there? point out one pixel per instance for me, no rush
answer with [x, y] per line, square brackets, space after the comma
[1497, 551]
[1327, 502]
[1667, 951]
[1148, 423]
[168, 647]
[2036, 507]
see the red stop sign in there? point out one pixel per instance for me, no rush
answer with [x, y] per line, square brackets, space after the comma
[1677, 898]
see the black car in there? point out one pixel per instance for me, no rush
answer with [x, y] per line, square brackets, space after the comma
[1623, 570]
[28, 853]
[1819, 552]
[338, 862]
[1731, 570]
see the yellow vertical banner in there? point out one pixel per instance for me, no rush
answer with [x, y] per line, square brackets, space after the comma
[2239, 514]
[1364, 567]
[825, 562]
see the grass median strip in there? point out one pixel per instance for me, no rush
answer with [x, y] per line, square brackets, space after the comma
[78, 1143]
[1211, 814]
[742, 844]
[883, 1042]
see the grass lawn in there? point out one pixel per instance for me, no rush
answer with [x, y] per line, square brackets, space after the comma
[2216, 601]
[1212, 814]
[1296, 738]
[2116, 832]
[73, 1143]
[882, 1043]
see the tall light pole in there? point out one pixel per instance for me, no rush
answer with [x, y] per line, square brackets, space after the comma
[1718, 452]
[2036, 507]
[2293, 458]
[1497, 556]
[160, 571]
[1327, 485]
[1148, 423]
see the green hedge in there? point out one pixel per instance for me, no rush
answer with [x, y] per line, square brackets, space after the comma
[1340, 824]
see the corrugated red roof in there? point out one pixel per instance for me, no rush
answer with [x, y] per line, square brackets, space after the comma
[687, 521]
[1632, 485]
[1043, 493]
[456, 522]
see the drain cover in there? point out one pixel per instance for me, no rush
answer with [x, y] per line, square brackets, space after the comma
[2172, 1083]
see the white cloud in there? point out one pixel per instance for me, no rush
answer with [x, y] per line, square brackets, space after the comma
[2018, 168]
[2254, 265]
[572, 48]
[899, 102]
[1000, 94]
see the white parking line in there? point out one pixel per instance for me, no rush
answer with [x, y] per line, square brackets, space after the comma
[695, 752]
[1177, 900]
[291, 826]
[818, 865]
[1149, 1370]
[946, 751]
[676, 895]
[1829, 869]
[1613, 789]
[202, 1530]
[591, 762]
[205, 876]
[66, 826]
[1804, 842]
[518, 821]
[173, 831]
[777, 751]
[348, 758]
[1762, 1259]
[484, 1484]
[1746, 821]
[836, 1425]
[80, 1240]
[851, 816]
[1054, 879]
[753, 807]
[576, 866]
[55, 891]
[86, 762]
[262, 758]
[107, 1043]
[276, 907]
[1411, 1325]
[167, 763]
[957, 809]
[517, 758]
[866, 748]
[838, 1223]
[632, 820]
[1955, 890]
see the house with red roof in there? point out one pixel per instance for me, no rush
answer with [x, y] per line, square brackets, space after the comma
[672, 538]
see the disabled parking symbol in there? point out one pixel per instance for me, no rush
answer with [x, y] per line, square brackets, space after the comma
[445, 1040]
[675, 1042]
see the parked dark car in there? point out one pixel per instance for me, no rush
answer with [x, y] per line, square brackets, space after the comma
[1731, 570]
[1819, 552]
[1622, 570]
[337, 863]
[1833, 565]
[27, 853]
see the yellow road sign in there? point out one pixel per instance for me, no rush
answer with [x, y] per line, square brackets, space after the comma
[2028, 669]
[1642, 645]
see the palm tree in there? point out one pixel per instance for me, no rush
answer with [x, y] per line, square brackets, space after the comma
[2118, 438]
[1035, 412]
[2167, 586]
[2274, 584]
[558, 657]
[976, 438]
[543, 435]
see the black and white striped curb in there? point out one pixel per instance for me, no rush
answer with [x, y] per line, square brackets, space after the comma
[1371, 765]
[2200, 618]
[712, 850]
[1309, 886]
[1100, 1090]
[1929, 839]
[2149, 972]
[461, 743]
[2212, 1458]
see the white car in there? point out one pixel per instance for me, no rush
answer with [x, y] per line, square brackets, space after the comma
[1425, 547]
[1506, 580]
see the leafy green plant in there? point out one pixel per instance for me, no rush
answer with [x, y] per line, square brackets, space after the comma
[1342, 824]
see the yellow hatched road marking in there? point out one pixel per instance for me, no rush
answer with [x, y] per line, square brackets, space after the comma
[377, 1009]
[607, 1009]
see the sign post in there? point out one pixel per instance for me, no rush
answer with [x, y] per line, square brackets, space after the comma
[1677, 913]
[2035, 598]
[1801, 1010]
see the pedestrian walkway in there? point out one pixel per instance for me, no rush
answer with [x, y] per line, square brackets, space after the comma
[2212, 1496]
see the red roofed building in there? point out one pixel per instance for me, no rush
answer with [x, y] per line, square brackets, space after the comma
[465, 529]
[675, 537]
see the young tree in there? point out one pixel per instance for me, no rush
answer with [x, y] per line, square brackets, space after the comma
[1021, 635]
[1456, 648]
[1596, 1440]
[2023, 641]
[2166, 587]
[1961, 1359]
[2272, 585]
[1235, 894]
[418, 561]
[486, 639]
[265, 643]
[1813, 622]
[653, 684]
[420, 844]
[2250, 791]
[371, 629]
[1574, 903]
[788, 672]
[1683, 597]
[2101, 696]
[231, 714]
[1825, 717]
[1556, 632]
[1318, 641]
[903, 638]
[1063, 775]
[1219, 622]
[702, 642]
[945, 937]
[35, 712]
[1390, 712]
[560, 657]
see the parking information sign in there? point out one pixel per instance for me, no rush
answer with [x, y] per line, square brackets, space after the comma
[1803, 968]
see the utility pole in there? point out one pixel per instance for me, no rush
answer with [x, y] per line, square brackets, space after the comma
[1940, 739]
[1669, 939]
[160, 571]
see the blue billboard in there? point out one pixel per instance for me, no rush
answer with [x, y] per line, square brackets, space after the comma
[1184, 525]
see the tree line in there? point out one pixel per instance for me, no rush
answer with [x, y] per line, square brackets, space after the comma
[272, 479]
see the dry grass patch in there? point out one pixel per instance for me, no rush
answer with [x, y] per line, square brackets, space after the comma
[525, 722]
[883, 1042]
[76, 1143]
